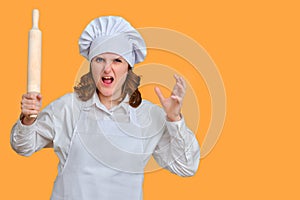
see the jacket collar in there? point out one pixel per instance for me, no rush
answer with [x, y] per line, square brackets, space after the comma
[95, 102]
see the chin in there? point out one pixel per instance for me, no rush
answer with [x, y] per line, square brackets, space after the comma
[109, 92]
[106, 94]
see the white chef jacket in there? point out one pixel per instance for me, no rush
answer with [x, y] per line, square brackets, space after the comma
[172, 144]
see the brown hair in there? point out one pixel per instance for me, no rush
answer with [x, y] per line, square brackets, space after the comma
[86, 88]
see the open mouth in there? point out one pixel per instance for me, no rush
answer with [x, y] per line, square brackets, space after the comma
[107, 79]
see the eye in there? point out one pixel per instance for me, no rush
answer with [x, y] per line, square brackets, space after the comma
[99, 59]
[118, 60]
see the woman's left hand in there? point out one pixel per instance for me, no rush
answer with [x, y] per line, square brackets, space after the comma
[172, 105]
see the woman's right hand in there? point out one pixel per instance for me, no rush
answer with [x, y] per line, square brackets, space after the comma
[30, 105]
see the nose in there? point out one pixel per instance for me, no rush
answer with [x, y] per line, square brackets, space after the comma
[107, 67]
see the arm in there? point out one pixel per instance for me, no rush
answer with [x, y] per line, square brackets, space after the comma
[30, 135]
[178, 150]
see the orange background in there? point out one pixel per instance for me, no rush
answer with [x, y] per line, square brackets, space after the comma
[255, 45]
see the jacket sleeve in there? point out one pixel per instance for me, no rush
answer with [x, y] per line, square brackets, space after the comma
[26, 140]
[178, 150]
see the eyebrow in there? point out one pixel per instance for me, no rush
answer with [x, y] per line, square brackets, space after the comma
[120, 57]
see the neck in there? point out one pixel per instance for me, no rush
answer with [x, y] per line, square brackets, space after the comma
[108, 102]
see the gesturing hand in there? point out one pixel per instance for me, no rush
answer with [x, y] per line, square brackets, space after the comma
[172, 105]
[30, 105]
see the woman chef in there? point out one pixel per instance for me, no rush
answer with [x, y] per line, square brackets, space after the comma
[104, 133]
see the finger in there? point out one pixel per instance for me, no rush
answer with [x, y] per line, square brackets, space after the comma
[39, 97]
[174, 97]
[179, 94]
[29, 96]
[178, 90]
[30, 107]
[180, 79]
[176, 78]
[177, 99]
[181, 89]
[159, 94]
[29, 101]
[28, 113]
[36, 106]
[183, 82]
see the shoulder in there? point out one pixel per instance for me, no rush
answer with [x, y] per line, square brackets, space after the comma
[147, 107]
[66, 104]
[67, 100]
[148, 103]
[151, 117]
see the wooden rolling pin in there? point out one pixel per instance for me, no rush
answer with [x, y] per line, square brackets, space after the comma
[34, 57]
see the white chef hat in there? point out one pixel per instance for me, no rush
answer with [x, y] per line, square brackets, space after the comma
[115, 35]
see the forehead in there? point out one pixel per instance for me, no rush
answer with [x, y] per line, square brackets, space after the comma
[109, 55]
